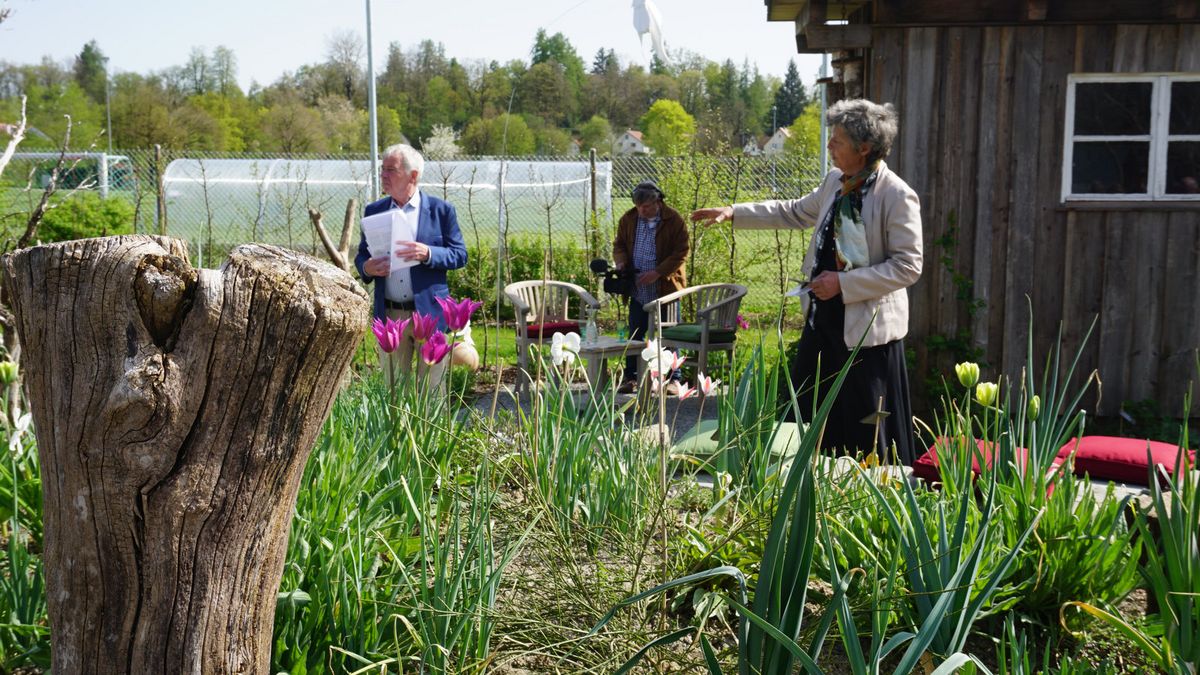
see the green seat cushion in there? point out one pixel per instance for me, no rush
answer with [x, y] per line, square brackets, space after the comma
[701, 446]
[690, 332]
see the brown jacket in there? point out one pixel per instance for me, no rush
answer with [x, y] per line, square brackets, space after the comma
[671, 247]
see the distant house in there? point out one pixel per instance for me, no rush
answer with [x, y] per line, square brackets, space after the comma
[574, 148]
[631, 143]
[1054, 149]
[774, 145]
[753, 147]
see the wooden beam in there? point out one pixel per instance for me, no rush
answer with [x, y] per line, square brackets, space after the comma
[813, 13]
[787, 10]
[1185, 10]
[1007, 12]
[835, 38]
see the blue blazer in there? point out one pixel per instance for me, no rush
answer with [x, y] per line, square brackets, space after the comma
[437, 228]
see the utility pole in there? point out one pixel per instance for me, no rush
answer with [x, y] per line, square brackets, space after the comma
[372, 116]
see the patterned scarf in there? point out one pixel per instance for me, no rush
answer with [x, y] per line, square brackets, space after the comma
[849, 233]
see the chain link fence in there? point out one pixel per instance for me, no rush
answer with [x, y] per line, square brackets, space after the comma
[522, 217]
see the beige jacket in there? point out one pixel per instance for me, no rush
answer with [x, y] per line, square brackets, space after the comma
[892, 216]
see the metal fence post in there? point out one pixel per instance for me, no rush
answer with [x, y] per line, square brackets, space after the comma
[160, 193]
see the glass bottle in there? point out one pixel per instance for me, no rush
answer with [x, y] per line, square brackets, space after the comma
[591, 333]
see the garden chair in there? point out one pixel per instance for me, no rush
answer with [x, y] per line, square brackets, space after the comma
[713, 328]
[542, 309]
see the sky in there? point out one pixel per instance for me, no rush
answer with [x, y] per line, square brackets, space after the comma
[271, 37]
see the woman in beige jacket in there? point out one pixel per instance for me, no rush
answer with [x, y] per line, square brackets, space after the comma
[865, 252]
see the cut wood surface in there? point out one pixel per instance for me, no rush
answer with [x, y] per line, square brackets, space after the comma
[175, 410]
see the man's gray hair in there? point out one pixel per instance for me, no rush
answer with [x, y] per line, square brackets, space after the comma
[866, 122]
[409, 158]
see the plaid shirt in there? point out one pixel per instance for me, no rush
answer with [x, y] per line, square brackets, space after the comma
[645, 257]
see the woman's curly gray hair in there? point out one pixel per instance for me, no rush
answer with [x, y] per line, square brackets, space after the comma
[866, 122]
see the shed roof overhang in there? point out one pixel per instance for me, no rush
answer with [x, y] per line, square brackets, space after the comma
[832, 25]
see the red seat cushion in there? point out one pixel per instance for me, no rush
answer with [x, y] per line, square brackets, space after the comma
[926, 466]
[547, 330]
[1120, 459]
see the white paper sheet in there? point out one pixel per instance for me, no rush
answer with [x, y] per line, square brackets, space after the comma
[401, 231]
[382, 231]
[378, 231]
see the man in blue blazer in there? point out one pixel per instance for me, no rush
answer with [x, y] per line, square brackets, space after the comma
[439, 246]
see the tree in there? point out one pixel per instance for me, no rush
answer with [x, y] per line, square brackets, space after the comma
[291, 127]
[224, 70]
[668, 128]
[197, 74]
[215, 389]
[805, 138]
[232, 114]
[91, 71]
[545, 92]
[558, 49]
[756, 96]
[552, 141]
[343, 124]
[48, 110]
[344, 54]
[141, 115]
[596, 133]
[488, 136]
[605, 62]
[195, 129]
[790, 98]
[388, 129]
[442, 143]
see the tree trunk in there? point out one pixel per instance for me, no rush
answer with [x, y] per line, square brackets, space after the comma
[175, 410]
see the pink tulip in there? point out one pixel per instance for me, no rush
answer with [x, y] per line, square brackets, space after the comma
[673, 361]
[685, 390]
[435, 348]
[458, 314]
[423, 327]
[706, 384]
[386, 333]
[401, 327]
[742, 322]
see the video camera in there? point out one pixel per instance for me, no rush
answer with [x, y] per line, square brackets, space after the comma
[616, 282]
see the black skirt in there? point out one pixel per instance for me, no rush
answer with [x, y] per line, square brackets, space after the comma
[877, 380]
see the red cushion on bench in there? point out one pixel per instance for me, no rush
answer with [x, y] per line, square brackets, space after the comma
[547, 330]
[926, 466]
[1120, 459]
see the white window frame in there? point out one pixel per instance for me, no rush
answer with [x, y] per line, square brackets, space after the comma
[1159, 136]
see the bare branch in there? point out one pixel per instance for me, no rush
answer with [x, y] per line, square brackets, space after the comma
[348, 222]
[334, 255]
[17, 130]
[44, 204]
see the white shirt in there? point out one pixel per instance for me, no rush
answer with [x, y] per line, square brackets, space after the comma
[399, 282]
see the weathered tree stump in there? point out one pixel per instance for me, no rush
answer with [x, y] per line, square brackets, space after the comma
[175, 411]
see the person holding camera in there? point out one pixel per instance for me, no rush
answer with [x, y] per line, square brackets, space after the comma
[651, 246]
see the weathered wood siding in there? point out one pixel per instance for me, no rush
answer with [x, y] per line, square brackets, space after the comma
[981, 115]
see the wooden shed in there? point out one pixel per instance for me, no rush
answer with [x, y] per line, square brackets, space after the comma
[1055, 145]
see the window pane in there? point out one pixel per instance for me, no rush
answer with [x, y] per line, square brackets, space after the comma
[1117, 167]
[1112, 108]
[1185, 107]
[1183, 167]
